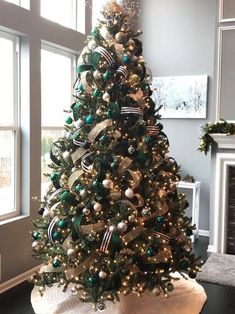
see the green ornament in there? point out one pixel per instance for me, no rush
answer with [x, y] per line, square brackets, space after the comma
[36, 235]
[56, 235]
[105, 139]
[69, 120]
[126, 59]
[95, 33]
[97, 184]
[62, 224]
[113, 111]
[89, 119]
[91, 280]
[150, 252]
[56, 263]
[148, 140]
[80, 88]
[160, 219]
[55, 176]
[106, 75]
[79, 187]
[96, 92]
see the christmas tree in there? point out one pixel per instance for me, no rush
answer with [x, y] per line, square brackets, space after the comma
[112, 221]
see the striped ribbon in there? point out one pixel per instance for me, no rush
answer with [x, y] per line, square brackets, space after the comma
[105, 54]
[54, 194]
[50, 229]
[86, 166]
[152, 129]
[166, 237]
[132, 110]
[76, 133]
[106, 240]
[123, 71]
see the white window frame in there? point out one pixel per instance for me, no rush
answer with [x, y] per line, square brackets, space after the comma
[15, 127]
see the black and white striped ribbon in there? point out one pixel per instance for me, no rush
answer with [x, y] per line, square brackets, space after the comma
[162, 236]
[123, 71]
[152, 129]
[76, 133]
[50, 229]
[54, 194]
[105, 54]
[86, 166]
[132, 110]
[106, 240]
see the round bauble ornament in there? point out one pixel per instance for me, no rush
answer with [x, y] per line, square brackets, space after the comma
[189, 232]
[192, 274]
[169, 287]
[120, 37]
[36, 235]
[106, 97]
[66, 156]
[156, 291]
[129, 193]
[71, 253]
[100, 306]
[122, 226]
[97, 207]
[96, 184]
[89, 119]
[112, 228]
[160, 219]
[131, 218]
[69, 120]
[134, 79]
[150, 252]
[92, 44]
[117, 134]
[35, 245]
[96, 92]
[145, 212]
[41, 211]
[74, 290]
[79, 123]
[62, 224]
[126, 59]
[83, 193]
[99, 112]
[97, 75]
[102, 274]
[106, 76]
[56, 235]
[86, 211]
[91, 280]
[107, 183]
[131, 150]
[56, 263]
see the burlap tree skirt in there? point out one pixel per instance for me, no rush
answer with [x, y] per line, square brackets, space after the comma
[187, 297]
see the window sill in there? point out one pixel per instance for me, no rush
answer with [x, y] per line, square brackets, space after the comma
[13, 219]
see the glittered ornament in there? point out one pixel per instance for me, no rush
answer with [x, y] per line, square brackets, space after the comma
[129, 193]
[71, 253]
[149, 140]
[97, 207]
[102, 274]
[131, 218]
[156, 291]
[122, 226]
[107, 183]
[106, 97]
[86, 211]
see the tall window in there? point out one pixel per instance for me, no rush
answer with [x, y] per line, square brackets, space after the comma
[69, 13]
[9, 126]
[57, 77]
[21, 3]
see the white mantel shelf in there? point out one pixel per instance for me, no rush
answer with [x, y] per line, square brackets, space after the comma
[224, 141]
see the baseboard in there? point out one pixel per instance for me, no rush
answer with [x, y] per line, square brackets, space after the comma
[211, 248]
[18, 279]
[204, 233]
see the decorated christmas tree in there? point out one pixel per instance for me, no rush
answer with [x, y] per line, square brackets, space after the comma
[112, 221]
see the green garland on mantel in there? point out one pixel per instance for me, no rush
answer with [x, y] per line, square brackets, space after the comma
[220, 127]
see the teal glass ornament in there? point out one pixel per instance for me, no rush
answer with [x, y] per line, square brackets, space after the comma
[97, 184]
[36, 235]
[56, 263]
[62, 224]
[79, 187]
[106, 75]
[126, 59]
[69, 120]
[150, 252]
[96, 92]
[105, 140]
[56, 235]
[148, 140]
[89, 119]
[160, 219]
[91, 280]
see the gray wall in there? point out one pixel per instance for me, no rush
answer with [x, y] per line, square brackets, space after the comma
[179, 39]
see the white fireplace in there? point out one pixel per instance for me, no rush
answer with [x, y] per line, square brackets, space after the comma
[223, 157]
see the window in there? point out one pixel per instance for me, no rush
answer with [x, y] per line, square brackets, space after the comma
[57, 77]
[21, 3]
[69, 13]
[9, 126]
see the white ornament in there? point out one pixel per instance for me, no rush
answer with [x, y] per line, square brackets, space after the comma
[131, 150]
[92, 44]
[83, 193]
[86, 211]
[117, 134]
[99, 112]
[97, 75]
[106, 97]
[112, 228]
[66, 156]
[129, 193]
[79, 123]
[107, 183]
[102, 274]
[97, 207]
[71, 252]
[122, 226]
[35, 245]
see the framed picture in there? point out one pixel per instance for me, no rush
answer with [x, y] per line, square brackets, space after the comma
[181, 96]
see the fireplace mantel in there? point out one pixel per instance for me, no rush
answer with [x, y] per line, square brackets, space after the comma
[224, 141]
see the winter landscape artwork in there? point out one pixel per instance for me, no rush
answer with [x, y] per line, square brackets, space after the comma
[181, 96]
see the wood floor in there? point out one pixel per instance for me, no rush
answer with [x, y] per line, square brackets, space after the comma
[221, 299]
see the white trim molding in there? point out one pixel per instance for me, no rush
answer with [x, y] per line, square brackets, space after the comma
[223, 162]
[221, 13]
[211, 249]
[219, 70]
[18, 279]
[224, 141]
[204, 233]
